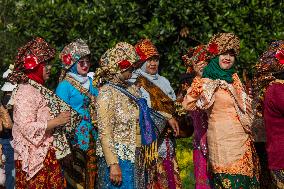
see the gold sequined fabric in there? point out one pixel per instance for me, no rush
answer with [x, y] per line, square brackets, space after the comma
[118, 125]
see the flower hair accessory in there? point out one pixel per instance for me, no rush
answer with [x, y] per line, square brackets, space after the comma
[213, 48]
[280, 56]
[67, 59]
[30, 62]
[124, 64]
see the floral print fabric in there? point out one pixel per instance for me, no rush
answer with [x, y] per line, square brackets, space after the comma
[49, 177]
[30, 139]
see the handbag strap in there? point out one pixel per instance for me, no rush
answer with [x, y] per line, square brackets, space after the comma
[78, 86]
[124, 91]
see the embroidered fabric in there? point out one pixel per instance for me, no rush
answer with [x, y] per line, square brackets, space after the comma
[80, 103]
[117, 121]
[30, 141]
[242, 102]
[61, 135]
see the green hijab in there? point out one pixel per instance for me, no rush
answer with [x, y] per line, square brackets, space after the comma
[214, 71]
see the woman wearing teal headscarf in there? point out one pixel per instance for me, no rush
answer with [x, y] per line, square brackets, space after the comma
[232, 158]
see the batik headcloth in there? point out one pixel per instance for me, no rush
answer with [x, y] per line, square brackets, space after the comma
[73, 52]
[115, 60]
[29, 57]
[146, 49]
[198, 57]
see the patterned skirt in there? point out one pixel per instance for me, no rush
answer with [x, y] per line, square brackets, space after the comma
[80, 168]
[164, 174]
[242, 174]
[201, 174]
[278, 178]
[49, 177]
[228, 181]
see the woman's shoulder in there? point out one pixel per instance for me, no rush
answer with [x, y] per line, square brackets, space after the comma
[106, 90]
[27, 93]
[64, 84]
[27, 89]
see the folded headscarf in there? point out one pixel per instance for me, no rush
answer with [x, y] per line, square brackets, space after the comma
[29, 57]
[220, 43]
[115, 61]
[70, 56]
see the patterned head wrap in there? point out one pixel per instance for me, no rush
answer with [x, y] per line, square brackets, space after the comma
[270, 62]
[29, 57]
[146, 49]
[114, 61]
[73, 52]
[218, 44]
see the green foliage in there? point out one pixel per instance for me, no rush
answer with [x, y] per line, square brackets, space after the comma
[185, 161]
[170, 24]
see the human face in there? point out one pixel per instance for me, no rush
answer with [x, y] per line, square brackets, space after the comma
[152, 66]
[127, 74]
[46, 72]
[227, 60]
[83, 66]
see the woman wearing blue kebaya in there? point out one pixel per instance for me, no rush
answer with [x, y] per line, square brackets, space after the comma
[76, 89]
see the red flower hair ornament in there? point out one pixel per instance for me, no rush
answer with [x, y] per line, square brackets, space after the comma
[124, 64]
[213, 48]
[280, 56]
[67, 59]
[30, 62]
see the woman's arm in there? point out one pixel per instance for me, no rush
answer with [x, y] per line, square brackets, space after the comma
[105, 115]
[31, 116]
[5, 118]
[193, 94]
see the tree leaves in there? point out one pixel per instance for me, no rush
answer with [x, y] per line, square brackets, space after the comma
[104, 23]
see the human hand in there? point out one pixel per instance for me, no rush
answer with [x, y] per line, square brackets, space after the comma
[174, 124]
[63, 118]
[115, 174]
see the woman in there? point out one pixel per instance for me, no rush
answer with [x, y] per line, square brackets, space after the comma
[269, 81]
[160, 96]
[6, 133]
[76, 90]
[34, 121]
[6, 150]
[232, 157]
[200, 124]
[119, 124]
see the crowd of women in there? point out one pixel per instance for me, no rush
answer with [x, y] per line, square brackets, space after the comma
[116, 127]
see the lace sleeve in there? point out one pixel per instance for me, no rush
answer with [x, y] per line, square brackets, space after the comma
[30, 115]
[105, 115]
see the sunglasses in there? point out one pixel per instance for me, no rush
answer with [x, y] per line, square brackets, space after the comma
[84, 63]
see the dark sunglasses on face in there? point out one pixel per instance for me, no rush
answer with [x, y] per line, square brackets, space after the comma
[84, 63]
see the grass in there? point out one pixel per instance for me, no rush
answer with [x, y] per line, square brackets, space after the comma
[185, 162]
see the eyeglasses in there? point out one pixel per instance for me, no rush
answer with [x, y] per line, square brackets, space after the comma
[84, 63]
